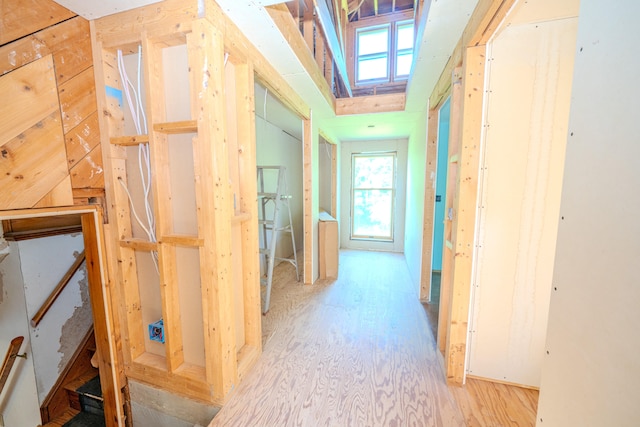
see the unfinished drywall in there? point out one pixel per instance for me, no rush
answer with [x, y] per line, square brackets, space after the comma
[44, 262]
[527, 111]
[19, 405]
[415, 198]
[591, 371]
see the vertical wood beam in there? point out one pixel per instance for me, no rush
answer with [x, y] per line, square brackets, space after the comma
[446, 276]
[319, 53]
[307, 27]
[111, 121]
[248, 203]
[465, 211]
[102, 308]
[429, 203]
[160, 169]
[205, 46]
[307, 173]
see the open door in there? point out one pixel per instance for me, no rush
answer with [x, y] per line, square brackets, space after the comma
[100, 299]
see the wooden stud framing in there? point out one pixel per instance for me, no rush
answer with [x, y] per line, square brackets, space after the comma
[285, 23]
[248, 203]
[448, 256]
[207, 39]
[206, 57]
[465, 211]
[429, 203]
[465, 129]
[371, 104]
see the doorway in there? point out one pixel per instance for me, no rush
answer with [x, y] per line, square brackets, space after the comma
[93, 244]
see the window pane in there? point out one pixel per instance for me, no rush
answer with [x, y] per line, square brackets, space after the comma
[403, 64]
[372, 68]
[405, 36]
[373, 41]
[373, 172]
[372, 213]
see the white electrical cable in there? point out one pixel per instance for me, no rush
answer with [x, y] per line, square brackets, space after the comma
[144, 159]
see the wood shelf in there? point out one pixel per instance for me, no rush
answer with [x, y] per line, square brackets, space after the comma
[129, 140]
[171, 128]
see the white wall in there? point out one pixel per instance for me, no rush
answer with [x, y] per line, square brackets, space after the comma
[414, 218]
[591, 369]
[527, 109]
[44, 262]
[19, 400]
[324, 175]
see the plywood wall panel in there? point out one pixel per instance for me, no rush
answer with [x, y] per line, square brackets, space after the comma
[83, 138]
[32, 164]
[60, 195]
[19, 18]
[522, 178]
[69, 42]
[77, 99]
[32, 91]
[88, 172]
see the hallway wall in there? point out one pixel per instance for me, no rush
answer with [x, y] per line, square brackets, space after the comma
[591, 372]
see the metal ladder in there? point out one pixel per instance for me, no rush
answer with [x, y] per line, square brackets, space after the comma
[269, 226]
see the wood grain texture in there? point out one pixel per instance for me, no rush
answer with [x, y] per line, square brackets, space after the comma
[83, 138]
[32, 164]
[32, 91]
[77, 99]
[358, 351]
[19, 18]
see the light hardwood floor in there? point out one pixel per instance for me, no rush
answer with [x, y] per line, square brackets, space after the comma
[358, 351]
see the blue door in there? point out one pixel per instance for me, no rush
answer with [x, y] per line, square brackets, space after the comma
[441, 184]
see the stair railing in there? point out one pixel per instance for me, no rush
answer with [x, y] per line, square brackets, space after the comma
[12, 354]
[57, 290]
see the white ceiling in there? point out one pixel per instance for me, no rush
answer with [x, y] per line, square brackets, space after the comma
[446, 20]
[91, 9]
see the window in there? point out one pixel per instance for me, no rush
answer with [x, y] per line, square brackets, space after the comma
[373, 54]
[404, 49]
[384, 53]
[373, 195]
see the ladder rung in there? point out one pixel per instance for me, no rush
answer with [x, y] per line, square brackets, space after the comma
[267, 195]
[266, 222]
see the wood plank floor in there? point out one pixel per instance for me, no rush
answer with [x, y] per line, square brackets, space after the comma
[359, 351]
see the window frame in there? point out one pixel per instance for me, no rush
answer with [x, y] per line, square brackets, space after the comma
[397, 52]
[384, 54]
[392, 21]
[392, 189]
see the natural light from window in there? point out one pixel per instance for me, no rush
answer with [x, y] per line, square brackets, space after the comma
[384, 52]
[373, 195]
[373, 54]
[404, 48]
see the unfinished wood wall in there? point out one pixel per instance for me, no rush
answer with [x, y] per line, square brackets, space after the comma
[51, 145]
[198, 79]
[519, 200]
